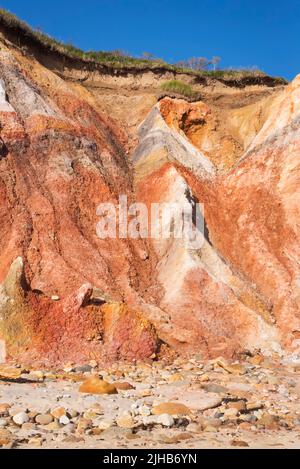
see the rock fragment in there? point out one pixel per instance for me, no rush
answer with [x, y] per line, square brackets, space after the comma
[94, 385]
[171, 408]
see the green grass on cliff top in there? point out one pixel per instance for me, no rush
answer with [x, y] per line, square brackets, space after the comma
[117, 60]
[179, 87]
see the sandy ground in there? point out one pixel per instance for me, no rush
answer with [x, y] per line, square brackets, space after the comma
[184, 404]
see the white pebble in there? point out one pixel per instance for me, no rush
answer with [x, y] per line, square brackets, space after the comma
[64, 420]
[165, 419]
[20, 418]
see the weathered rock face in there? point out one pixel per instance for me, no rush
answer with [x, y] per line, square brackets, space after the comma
[211, 309]
[60, 158]
[67, 295]
[252, 215]
[257, 206]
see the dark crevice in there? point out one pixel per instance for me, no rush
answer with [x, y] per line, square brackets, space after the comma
[3, 149]
[193, 200]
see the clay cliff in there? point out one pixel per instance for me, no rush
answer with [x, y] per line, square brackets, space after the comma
[74, 134]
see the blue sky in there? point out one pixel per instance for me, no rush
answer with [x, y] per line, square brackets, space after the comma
[262, 33]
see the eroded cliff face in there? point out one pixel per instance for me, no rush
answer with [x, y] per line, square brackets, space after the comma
[70, 140]
[252, 216]
[61, 157]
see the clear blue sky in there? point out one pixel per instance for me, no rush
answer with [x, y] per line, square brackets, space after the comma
[262, 33]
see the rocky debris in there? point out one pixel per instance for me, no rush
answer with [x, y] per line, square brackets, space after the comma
[236, 409]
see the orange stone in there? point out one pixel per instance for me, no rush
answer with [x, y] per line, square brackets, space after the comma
[9, 372]
[171, 408]
[123, 386]
[94, 385]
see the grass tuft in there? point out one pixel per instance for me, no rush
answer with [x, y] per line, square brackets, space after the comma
[176, 86]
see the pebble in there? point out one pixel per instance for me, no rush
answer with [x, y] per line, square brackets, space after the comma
[268, 421]
[36, 441]
[53, 426]
[29, 426]
[217, 398]
[125, 421]
[90, 415]
[123, 386]
[231, 412]
[20, 418]
[94, 385]
[68, 428]
[235, 368]
[37, 374]
[239, 443]
[32, 414]
[254, 405]
[83, 424]
[44, 419]
[216, 388]
[4, 408]
[144, 411]
[83, 369]
[104, 424]
[68, 368]
[194, 427]
[165, 419]
[210, 428]
[171, 408]
[175, 377]
[239, 405]
[204, 378]
[5, 437]
[64, 420]
[210, 422]
[9, 372]
[58, 412]
[161, 438]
